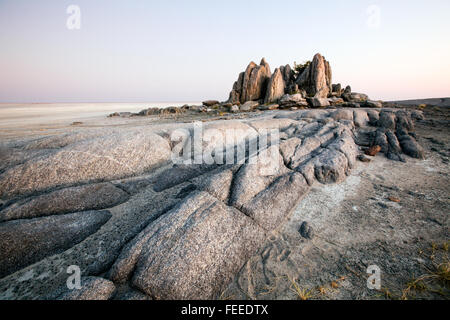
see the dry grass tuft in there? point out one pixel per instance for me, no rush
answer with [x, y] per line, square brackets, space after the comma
[437, 278]
[302, 293]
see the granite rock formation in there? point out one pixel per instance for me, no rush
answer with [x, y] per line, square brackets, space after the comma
[309, 85]
[316, 79]
[171, 231]
[252, 84]
[275, 87]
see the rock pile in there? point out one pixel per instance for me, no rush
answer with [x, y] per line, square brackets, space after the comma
[316, 78]
[258, 89]
[311, 86]
[251, 84]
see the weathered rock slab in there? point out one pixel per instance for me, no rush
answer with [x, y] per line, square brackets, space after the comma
[83, 198]
[106, 158]
[249, 106]
[24, 242]
[92, 288]
[318, 102]
[193, 251]
[272, 206]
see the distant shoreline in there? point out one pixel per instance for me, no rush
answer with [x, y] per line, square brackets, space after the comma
[25, 114]
[439, 102]
[162, 103]
[430, 101]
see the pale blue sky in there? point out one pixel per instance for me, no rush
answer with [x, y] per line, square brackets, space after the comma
[142, 51]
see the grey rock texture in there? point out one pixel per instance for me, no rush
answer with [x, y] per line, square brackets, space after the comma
[361, 97]
[236, 92]
[318, 102]
[218, 184]
[374, 104]
[394, 150]
[411, 147]
[96, 253]
[292, 100]
[314, 153]
[60, 141]
[210, 103]
[88, 197]
[275, 87]
[179, 173]
[234, 108]
[92, 288]
[175, 231]
[394, 135]
[246, 82]
[249, 105]
[251, 84]
[110, 157]
[271, 106]
[23, 242]
[255, 88]
[387, 120]
[329, 166]
[374, 116]
[213, 239]
[272, 206]
[263, 125]
[306, 230]
[361, 118]
[380, 139]
[337, 88]
[315, 81]
[252, 178]
[289, 79]
[316, 78]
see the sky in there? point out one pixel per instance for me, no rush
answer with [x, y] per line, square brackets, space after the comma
[147, 51]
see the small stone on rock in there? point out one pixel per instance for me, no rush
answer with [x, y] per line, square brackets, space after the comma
[372, 151]
[363, 158]
[306, 230]
[394, 199]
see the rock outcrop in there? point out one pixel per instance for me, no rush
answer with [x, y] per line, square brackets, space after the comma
[252, 84]
[184, 231]
[75, 199]
[289, 79]
[215, 240]
[313, 80]
[313, 152]
[276, 87]
[106, 157]
[316, 78]
[210, 103]
[292, 100]
[23, 242]
[248, 106]
[256, 83]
